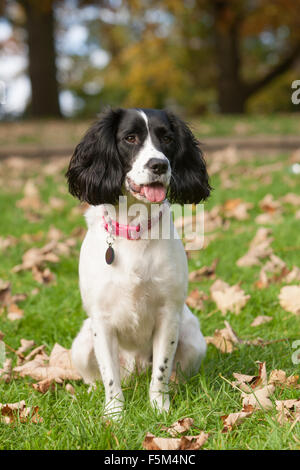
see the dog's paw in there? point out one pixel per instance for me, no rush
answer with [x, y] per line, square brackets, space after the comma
[160, 401]
[114, 408]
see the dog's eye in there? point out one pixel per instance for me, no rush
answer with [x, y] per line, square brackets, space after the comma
[131, 139]
[167, 139]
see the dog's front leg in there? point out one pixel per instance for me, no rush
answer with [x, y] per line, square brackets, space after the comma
[107, 354]
[164, 347]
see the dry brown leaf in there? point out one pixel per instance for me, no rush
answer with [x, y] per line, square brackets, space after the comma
[54, 234]
[289, 298]
[247, 383]
[228, 298]
[269, 204]
[12, 413]
[280, 273]
[259, 248]
[206, 272]
[43, 276]
[234, 419]
[261, 319]
[5, 293]
[259, 398]
[196, 299]
[70, 389]
[31, 200]
[268, 218]
[37, 257]
[38, 351]
[7, 242]
[6, 371]
[224, 340]
[56, 203]
[237, 209]
[291, 198]
[26, 344]
[288, 410]
[279, 378]
[184, 443]
[14, 312]
[179, 427]
[58, 369]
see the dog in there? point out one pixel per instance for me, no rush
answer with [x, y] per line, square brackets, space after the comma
[134, 288]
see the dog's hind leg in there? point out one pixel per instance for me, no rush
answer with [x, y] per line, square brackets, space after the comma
[83, 356]
[191, 347]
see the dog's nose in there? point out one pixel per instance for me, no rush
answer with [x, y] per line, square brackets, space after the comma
[157, 166]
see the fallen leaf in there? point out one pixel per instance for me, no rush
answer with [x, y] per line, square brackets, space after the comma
[261, 319]
[279, 378]
[6, 371]
[259, 248]
[228, 298]
[7, 242]
[56, 203]
[14, 312]
[206, 272]
[237, 209]
[70, 389]
[184, 443]
[269, 204]
[13, 412]
[179, 427]
[26, 344]
[224, 340]
[259, 398]
[279, 273]
[43, 276]
[291, 198]
[196, 299]
[288, 410]
[289, 298]
[234, 419]
[58, 368]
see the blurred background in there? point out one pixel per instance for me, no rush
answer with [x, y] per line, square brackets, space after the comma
[69, 58]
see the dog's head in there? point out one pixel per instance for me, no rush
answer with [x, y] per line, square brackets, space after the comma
[150, 153]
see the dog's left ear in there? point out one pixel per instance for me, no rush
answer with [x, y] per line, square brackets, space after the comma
[95, 173]
[189, 183]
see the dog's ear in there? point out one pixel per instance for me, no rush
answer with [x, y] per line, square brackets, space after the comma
[95, 173]
[189, 182]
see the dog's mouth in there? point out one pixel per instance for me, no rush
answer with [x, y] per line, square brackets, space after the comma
[154, 192]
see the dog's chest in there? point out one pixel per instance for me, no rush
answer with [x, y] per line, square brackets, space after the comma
[134, 296]
[146, 277]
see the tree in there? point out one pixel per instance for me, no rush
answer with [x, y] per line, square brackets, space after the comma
[232, 31]
[40, 27]
[230, 21]
[37, 19]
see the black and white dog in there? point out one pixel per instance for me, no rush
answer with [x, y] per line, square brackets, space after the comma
[134, 287]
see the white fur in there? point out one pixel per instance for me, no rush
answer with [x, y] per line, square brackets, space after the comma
[136, 306]
[139, 172]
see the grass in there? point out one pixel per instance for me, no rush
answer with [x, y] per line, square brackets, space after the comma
[55, 315]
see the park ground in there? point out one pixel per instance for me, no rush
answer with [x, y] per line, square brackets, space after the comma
[36, 209]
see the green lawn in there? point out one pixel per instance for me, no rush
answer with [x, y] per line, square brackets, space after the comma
[55, 315]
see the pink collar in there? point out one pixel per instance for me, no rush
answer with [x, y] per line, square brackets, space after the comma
[130, 232]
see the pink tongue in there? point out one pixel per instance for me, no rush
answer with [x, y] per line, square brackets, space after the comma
[155, 192]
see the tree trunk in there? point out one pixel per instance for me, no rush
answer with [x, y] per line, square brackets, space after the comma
[40, 25]
[231, 89]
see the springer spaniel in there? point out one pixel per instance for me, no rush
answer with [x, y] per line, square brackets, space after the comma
[133, 286]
